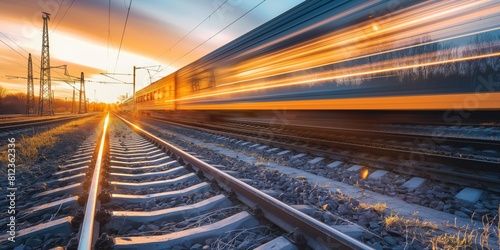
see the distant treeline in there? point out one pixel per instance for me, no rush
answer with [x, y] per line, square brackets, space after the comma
[15, 103]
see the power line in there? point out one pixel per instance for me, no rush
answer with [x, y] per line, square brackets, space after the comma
[191, 30]
[5, 59]
[15, 44]
[66, 12]
[208, 17]
[57, 13]
[13, 49]
[109, 33]
[66, 74]
[123, 34]
[213, 35]
[16, 50]
[64, 15]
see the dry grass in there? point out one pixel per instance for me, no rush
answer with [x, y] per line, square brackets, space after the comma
[460, 240]
[326, 185]
[401, 223]
[378, 207]
[30, 149]
[431, 234]
[412, 229]
[466, 238]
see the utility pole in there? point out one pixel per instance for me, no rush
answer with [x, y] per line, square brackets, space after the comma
[134, 107]
[82, 106]
[30, 95]
[45, 99]
[133, 91]
[73, 103]
[133, 83]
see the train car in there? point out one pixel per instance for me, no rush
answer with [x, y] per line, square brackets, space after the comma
[348, 55]
[126, 106]
[155, 96]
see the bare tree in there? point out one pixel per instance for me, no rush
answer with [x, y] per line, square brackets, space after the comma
[3, 92]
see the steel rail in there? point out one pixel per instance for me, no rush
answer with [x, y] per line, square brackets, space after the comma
[488, 183]
[436, 139]
[87, 230]
[289, 219]
[439, 157]
[14, 125]
[492, 122]
[431, 153]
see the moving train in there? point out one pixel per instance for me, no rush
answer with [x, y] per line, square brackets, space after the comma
[346, 55]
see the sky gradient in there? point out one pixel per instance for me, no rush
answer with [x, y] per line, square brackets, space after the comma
[90, 36]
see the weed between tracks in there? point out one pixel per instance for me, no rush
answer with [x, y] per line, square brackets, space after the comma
[463, 238]
[378, 207]
[245, 238]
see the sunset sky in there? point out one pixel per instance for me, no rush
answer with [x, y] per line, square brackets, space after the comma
[86, 35]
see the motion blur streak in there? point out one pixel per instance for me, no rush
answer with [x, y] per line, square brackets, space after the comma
[331, 19]
[314, 54]
[436, 20]
[296, 81]
[348, 55]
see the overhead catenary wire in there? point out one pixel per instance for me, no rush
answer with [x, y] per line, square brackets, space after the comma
[37, 65]
[64, 15]
[25, 57]
[66, 12]
[109, 34]
[13, 48]
[218, 32]
[212, 36]
[5, 59]
[58, 9]
[66, 74]
[180, 40]
[191, 31]
[16, 45]
[123, 34]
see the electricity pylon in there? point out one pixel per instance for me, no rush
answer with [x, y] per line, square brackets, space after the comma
[73, 103]
[30, 95]
[45, 99]
[82, 106]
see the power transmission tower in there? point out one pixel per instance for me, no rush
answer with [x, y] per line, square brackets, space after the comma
[30, 95]
[82, 106]
[73, 103]
[45, 99]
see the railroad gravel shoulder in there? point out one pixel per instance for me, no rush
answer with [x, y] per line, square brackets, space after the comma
[201, 209]
[276, 176]
[51, 157]
[32, 179]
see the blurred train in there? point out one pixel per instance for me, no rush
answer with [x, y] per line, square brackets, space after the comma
[346, 55]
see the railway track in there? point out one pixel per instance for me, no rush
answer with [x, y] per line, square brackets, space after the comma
[47, 213]
[333, 174]
[437, 135]
[9, 126]
[146, 193]
[360, 147]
